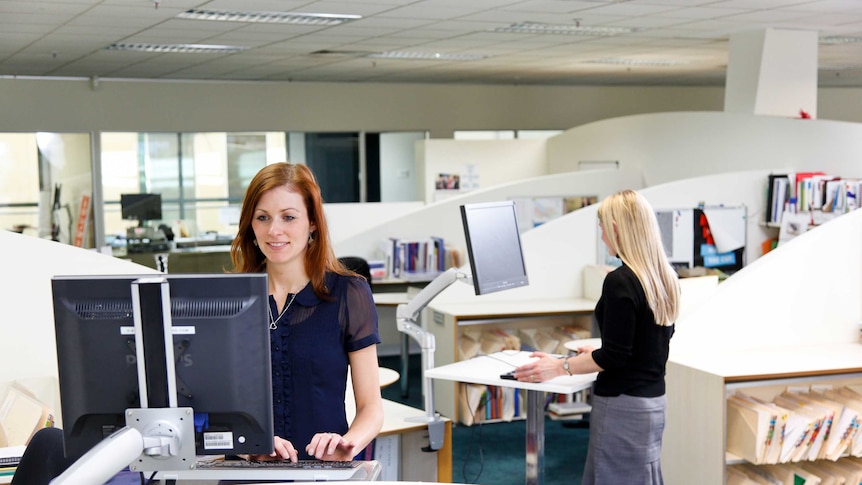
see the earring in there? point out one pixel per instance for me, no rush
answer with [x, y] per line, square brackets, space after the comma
[254, 241]
[310, 237]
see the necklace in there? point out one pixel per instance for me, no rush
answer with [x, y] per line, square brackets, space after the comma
[273, 324]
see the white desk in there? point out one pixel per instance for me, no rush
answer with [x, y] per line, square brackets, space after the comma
[448, 320]
[487, 369]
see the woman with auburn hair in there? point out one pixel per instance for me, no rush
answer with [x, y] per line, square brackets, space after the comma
[635, 314]
[322, 319]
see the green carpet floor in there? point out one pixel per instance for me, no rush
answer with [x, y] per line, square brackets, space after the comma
[494, 454]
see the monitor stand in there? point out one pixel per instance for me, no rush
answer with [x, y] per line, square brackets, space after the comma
[153, 439]
[159, 435]
[406, 316]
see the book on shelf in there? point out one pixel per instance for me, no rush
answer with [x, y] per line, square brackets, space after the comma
[425, 257]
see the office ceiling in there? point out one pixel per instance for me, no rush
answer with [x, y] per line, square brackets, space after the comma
[671, 42]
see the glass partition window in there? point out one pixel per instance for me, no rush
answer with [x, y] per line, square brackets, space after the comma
[45, 177]
[201, 177]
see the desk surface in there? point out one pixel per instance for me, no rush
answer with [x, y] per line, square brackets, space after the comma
[514, 308]
[486, 369]
[390, 299]
[775, 362]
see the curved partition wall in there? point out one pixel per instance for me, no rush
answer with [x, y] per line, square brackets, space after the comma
[673, 146]
[557, 252]
[443, 219]
[806, 292]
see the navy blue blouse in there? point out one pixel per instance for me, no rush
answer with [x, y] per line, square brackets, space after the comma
[309, 357]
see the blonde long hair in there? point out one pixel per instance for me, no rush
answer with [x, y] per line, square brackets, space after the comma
[632, 231]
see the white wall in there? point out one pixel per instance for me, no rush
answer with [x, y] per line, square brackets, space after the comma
[347, 219]
[672, 146]
[496, 161]
[128, 105]
[27, 348]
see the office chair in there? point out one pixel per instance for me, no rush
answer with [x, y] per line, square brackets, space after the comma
[43, 459]
[357, 265]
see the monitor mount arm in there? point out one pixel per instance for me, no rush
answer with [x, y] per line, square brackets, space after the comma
[159, 435]
[406, 315]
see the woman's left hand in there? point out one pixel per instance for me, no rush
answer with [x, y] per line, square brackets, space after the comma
[546, 367]
[331, 447]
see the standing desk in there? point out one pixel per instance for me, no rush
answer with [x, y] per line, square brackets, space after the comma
[448, 320]
[486, 369]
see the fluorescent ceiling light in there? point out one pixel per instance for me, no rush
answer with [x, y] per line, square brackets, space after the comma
[837, 39]
[563, 29]
[177, 48]
[638, 62]
[267, 17]
[426, 56]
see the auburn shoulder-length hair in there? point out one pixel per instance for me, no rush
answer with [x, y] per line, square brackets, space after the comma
[632, 231]
[319, 255]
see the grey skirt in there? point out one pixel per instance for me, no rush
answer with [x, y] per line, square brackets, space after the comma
[625, 440]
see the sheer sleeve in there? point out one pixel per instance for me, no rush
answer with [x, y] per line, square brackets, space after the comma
[360, 316]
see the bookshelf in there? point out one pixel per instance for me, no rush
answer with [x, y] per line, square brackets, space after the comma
[818, 196]
[791, 319]
[695, 439]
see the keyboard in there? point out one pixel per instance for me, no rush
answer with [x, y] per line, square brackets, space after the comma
[302, 470]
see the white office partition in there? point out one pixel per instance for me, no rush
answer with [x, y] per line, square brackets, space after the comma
[478, 163]
[347, 219]
[557, 252]
[805, 292]
[674, 146]
[443, 219]
[27, 349]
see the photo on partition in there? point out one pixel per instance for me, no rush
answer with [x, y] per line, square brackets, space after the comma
[577, 202]
[448, 181]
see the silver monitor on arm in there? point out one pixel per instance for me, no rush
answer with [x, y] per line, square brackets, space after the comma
[496, 264]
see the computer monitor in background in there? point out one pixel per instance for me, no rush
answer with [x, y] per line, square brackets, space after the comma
[141, 207]
[220, 349]
[494, 246]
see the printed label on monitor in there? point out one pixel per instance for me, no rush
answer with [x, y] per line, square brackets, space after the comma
[175, 330]
[222, 440]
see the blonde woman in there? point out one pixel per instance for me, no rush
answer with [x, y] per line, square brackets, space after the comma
[635, 315]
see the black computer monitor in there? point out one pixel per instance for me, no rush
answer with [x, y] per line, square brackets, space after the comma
[221, 354]
[141, 207]
[494, 246]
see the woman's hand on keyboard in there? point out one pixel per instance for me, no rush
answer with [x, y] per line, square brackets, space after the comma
[331, 447]
[284, 450]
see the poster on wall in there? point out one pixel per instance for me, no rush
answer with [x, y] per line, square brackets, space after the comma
[446, 185]
[470, 177]
[535, 211]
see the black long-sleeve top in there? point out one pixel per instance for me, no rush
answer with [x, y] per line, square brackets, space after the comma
[634, 349]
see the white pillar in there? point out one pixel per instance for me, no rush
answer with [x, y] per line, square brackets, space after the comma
[772, 72]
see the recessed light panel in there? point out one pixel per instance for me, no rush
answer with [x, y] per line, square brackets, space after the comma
[563, 29]
[267, 17]
[426, 56]
[176, 48]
